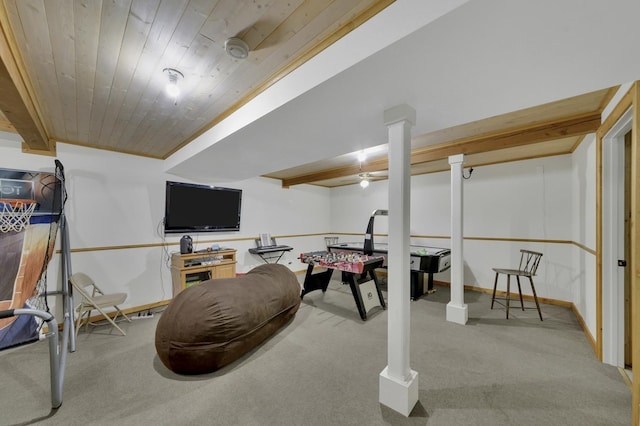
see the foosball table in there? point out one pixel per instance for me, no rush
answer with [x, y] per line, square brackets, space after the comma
[366, 292]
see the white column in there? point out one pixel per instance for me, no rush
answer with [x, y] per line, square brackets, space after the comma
[457, 310]
[398, 383]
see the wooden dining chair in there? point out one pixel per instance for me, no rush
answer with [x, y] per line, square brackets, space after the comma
[529, 261]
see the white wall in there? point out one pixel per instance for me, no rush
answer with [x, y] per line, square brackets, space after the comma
[584, 231]
[117, 200]
[526, 200]
[115, 209]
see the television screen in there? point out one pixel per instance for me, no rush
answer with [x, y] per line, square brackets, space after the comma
[201, 208]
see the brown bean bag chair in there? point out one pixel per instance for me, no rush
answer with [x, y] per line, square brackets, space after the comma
[210, 325]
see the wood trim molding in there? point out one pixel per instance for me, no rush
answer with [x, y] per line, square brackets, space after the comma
[548, 301]
[575, 126]
[630, 99]
[227, 240]
[572, 126]
[599, 245]
[51, 151]
[621, 107]
[177, 243]
[16, 101]
[585, 248]
[372, 165]
[635, 249]
[585, 329]
[521, 240]
[6, 126]
[478, 238]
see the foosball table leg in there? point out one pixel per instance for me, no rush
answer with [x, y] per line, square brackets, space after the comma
[355, 290]
[318, 281]
[374, 277]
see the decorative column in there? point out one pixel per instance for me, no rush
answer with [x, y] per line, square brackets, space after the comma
[398, 383]
[457, 310]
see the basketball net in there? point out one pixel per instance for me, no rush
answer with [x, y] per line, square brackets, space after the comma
[15, 214]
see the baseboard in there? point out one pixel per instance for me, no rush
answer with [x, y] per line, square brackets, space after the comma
[585, 329]
[146, 307]
[127, 311]
[556, 302]
[546, 300]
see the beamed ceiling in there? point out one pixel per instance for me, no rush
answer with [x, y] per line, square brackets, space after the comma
[551, 129]
[89, 73]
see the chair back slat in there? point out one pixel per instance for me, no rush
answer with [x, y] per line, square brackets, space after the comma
[529, 261]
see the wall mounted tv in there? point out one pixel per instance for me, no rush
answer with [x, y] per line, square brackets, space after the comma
[201, 208]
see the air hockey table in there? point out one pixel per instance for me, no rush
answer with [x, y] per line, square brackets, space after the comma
[424, 260]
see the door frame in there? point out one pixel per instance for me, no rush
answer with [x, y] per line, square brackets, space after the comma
[631, 99]
[612, 292]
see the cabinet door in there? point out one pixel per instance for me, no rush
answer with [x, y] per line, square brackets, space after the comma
[225, 271]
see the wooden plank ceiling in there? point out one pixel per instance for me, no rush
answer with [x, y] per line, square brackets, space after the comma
[89, 72]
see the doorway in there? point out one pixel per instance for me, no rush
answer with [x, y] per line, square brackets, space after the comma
[616, 243]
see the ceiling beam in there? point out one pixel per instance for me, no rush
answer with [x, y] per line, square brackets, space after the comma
[370, 166]
[16, 102]
[6, 126]
[576, 126]
[543, 132]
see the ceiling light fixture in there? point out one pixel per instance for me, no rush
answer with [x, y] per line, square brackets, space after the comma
[362, 157]
[236, 48]
[172, 86]
[364, 180]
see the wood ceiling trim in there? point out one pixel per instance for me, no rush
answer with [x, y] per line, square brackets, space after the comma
[6, 126]
[521, 153]
[16, 102]
[370, 166]
[625, 102]
[440, 166]
[51, 152]
[607, 99]
[345, 29]
[109, 149]
[574, 126]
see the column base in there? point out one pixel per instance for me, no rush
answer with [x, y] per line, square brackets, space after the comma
[399, 395]
[458, 314]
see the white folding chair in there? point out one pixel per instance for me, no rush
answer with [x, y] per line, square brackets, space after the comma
[95, 299]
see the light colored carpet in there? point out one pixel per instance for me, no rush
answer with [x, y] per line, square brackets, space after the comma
[323, 367]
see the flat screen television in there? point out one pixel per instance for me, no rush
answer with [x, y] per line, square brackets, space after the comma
[201, 208]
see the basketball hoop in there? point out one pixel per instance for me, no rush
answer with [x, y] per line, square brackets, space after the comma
[15, 214]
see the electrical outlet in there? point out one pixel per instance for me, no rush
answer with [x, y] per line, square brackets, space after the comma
[142, 315]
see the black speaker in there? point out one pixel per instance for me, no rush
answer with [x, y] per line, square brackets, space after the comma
[186, 245]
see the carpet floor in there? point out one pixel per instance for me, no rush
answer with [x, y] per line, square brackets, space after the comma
[323, 369]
